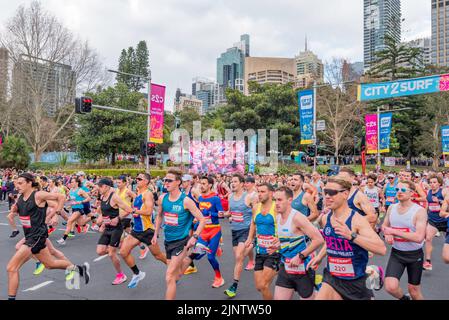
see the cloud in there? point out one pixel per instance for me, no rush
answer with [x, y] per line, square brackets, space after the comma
[185, 37]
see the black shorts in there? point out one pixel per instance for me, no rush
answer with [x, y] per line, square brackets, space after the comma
[303, 284]
[126, 223]
[144, 237]
[175, 248]
[267, 260]
[349, 289]
[36, 244]
[319, 205]
[400, 260]
[81, 211]
[86, 208]
[239, 236]
[440, 226]
[111, 237]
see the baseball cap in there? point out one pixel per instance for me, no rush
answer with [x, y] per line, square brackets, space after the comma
[250, 179]
[417, 175]
[80, 173]
[187, 177]
[106, 182]
[391, 176]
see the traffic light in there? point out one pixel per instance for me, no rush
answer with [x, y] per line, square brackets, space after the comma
[143, 148]
[311, 151]
[83, 105]
[151, 149]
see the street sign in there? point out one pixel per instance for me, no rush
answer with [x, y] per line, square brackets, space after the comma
[321, 125]
[390, 162]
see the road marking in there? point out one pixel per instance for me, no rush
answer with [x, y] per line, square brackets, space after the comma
[3, 212]
[101, 258]
[4, 224]
[39, 286]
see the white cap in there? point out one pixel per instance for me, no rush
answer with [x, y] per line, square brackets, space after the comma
[187, 177]
[80, 173]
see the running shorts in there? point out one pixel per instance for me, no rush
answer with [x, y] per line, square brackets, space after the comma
[411, 260]
[111, 237]
[144, 237]
[303, 284]
[126, 223]
[81, 211]
[175, 248]
[440, 226]
[239, 236]
[271, 261]
[349, 289]
[36, 244]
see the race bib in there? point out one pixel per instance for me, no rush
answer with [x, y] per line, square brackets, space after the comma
[237, 217]
[171, 219]
[434, 207]
[341, 267]
[265, 241]
[403, 230]
[26, 222]
[301, 269]
[208, 220]
[107, 220]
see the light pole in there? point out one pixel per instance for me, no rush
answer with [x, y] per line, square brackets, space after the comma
[147, 157]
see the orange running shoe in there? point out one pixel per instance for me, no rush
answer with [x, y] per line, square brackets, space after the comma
[218, 282]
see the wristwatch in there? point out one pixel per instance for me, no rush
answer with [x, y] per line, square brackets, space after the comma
[195, 236]
[302, 257]
[354, 236]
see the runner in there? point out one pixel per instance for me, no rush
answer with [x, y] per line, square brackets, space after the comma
[319, 185]
[293, 231]
[178, 212]
[405, 228]
[32, 213]
[303, 201]
[209, 240]
[143, 229]
[250, 188]
[435, 198]
[374, 193]
[127, 196]
[390, 191]
[223, 191]
[445, 214]
[240, 212]
[12, 199]
[348, 237]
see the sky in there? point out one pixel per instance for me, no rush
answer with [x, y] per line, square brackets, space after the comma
[185, 37]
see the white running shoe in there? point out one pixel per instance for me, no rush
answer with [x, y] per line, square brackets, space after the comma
[136, 279]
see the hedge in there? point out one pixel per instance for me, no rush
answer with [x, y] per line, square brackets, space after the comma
[117, 172]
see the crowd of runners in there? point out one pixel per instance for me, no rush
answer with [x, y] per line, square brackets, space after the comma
[284, 227]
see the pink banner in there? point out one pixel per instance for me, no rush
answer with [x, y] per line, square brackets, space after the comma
[157, 113]
[371, 133]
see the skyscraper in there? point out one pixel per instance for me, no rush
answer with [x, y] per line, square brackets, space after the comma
[203, 89]
[309, 68]
[381, 18]
[440, 33]
[424, 45]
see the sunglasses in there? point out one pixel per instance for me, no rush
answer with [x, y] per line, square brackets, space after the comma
[168, 180]
[139, 179]
[402, 190]
[332, 192]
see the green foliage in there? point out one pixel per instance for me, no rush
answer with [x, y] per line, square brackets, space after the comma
[62, 159]
[15, 153]
[322, 169]
[134, 61]
[42, 166]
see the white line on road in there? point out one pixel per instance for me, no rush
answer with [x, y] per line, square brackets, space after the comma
[101, 258]
[38, 286]
[3, 212]
[4, 224]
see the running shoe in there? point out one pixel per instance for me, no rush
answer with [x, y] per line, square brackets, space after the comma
[86, 272]
[51, 230]
[61, 241]
[70, 274]
[190, 270]
[143, 253]
[231, 292]
[119, 279]
[136, 279]
[201, 249]
[250, 266]
[39, 268]
[219, 252]
[78, 229]
[71, 234]
[218, 282]
[427, 266]
[14, 234]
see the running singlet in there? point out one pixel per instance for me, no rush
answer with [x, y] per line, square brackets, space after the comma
[32, 217]
[210, 206]
[404, 222]
[345, 259]
[291, 244]
[318, 188]
[435, 206]
[352, 205]
[109, 213]
[75, 197]
[125, 199]
[391, 194]
[299, 206]
[178, 220]
[266, 229]
[241, 214]
[141, 223]
[373, 196]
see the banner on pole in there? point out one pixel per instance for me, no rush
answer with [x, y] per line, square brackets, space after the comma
[371, 133]
[157, 113]
[252, 154]
[306, 113]
[385, 132]
[402, 88]
[445, 139]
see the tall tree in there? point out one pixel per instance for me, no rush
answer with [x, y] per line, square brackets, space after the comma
[141, 65]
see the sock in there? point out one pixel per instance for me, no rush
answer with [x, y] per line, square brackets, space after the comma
[217, 274]
[11, 298]
[65, 237]
[235, 284]
[428, 260]
[405, 298]
[192, 264]
[80, 270]
[135, 270]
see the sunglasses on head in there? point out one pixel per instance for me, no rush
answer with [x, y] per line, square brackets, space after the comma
[402, 189]
[332, 192]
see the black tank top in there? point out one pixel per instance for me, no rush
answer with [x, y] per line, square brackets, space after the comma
[32, 217]
[109, 213]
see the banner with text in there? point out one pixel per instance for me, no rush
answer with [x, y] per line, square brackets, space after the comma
[401, 88]
[157, 113]
[306, 114]
[445, 139]
[385, 132]
[371, 133]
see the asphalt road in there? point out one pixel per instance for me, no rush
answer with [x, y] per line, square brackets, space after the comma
[50, 285]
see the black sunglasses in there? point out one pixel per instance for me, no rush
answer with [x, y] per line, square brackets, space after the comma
[332, 192]
[139, 179]
[168, 180]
